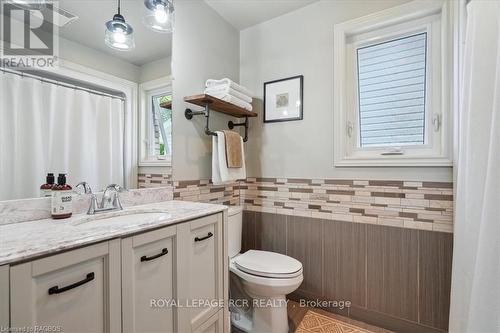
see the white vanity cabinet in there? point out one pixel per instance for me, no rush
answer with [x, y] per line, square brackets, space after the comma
[149, 266]
[78, 291]
[205, 267]
[4, 296]
[170, 279]
[213, 325]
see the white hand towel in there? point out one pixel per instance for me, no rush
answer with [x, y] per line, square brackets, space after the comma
[221, 174]
[225, 89]
[210, 83]
[233, 100]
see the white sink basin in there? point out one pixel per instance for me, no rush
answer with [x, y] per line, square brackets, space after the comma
[143, 215]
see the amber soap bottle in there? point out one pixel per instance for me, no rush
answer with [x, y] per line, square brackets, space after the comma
[62, 199]
[46, 189]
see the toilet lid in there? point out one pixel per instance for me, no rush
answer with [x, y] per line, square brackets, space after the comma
[268, 264]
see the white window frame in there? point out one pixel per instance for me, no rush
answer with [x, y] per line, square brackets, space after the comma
[435, 18]
[146, 91]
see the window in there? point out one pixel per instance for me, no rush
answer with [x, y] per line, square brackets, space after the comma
[156, 122]
[392, 101]
[161, 112]
[391, 90]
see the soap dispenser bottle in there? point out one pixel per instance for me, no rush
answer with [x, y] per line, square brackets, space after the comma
[62, 199]
[46, 189]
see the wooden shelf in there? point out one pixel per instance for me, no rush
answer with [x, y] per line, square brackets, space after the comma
[166, 105]
[219, 105]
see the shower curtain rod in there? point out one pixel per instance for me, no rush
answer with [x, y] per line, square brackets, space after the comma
[58, 83]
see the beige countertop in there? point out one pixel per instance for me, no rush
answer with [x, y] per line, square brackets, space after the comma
[27, 240]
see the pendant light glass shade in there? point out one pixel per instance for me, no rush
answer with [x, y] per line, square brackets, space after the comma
[159, 15]
[31, 4]
[119, 34]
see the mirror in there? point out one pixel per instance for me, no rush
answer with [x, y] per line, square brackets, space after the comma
[102, 114]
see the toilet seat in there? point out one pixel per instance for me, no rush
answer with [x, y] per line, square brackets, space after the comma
[268, 264]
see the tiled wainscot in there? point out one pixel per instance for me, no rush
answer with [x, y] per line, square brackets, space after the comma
[205, 191]
[406, 204]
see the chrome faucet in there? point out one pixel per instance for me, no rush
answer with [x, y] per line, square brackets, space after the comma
[85, 186]
[109, 201]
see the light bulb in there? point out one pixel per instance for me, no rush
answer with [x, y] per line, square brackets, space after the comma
[161, 14]
[119, 37]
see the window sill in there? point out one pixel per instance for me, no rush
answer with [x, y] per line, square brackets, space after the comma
[155, 163]
[394, 162]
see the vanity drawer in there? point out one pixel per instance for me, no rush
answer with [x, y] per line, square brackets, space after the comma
[77, 290]
[205, 267]
[149, 267]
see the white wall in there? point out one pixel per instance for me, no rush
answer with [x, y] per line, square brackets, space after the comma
[204, 46]
[85, 56]
[301, 42]
[155, 70]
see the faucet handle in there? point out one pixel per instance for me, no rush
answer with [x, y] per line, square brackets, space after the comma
[114, 200]
[115, 187]
[85, 186]
[93, 205]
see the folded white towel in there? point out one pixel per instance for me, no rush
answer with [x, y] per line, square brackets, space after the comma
[233, 100]
[221, 174]
[230, 83]
[226, 89]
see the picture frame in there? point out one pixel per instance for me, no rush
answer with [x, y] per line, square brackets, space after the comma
[284, 99]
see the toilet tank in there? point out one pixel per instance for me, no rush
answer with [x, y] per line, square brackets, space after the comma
[235, 222]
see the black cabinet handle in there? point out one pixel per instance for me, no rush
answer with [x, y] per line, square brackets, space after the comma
[198, 239]
[163, 252]
[57, 290]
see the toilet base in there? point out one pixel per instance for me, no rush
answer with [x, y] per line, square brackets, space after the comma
[272, 317]
[269, 315]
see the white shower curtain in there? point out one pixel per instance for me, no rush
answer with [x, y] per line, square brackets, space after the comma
[475, 297]
[46, 127]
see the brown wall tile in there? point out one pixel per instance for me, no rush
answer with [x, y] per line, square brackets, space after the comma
[345, 262]
[301, 190]
[387, 194]
[437, 185]
[270, 232]
[393, 183]
[435, 259]
[377, 268]
[438, 197]
[339, 182]
[248, 231]
[304, 242]
[392, 259]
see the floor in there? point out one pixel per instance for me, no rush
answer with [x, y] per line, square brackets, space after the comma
[306, 320]
[309, 320]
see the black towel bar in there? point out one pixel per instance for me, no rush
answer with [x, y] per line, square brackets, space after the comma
[189, 114]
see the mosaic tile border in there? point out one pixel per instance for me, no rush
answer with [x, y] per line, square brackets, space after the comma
[204, 190]
[152, 180]
[406, 204]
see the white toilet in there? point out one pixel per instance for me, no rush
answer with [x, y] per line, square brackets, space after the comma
[266, 278]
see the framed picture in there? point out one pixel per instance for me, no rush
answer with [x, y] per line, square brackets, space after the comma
[284, 99]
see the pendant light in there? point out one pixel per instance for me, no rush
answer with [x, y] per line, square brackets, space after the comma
[159, 15]
[119, 34]
[30, 4]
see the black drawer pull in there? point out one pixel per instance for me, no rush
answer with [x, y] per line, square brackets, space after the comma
[198, 239]
[57, 290]
[163, 252]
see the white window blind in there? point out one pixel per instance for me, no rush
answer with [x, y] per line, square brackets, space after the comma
[391, 90]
